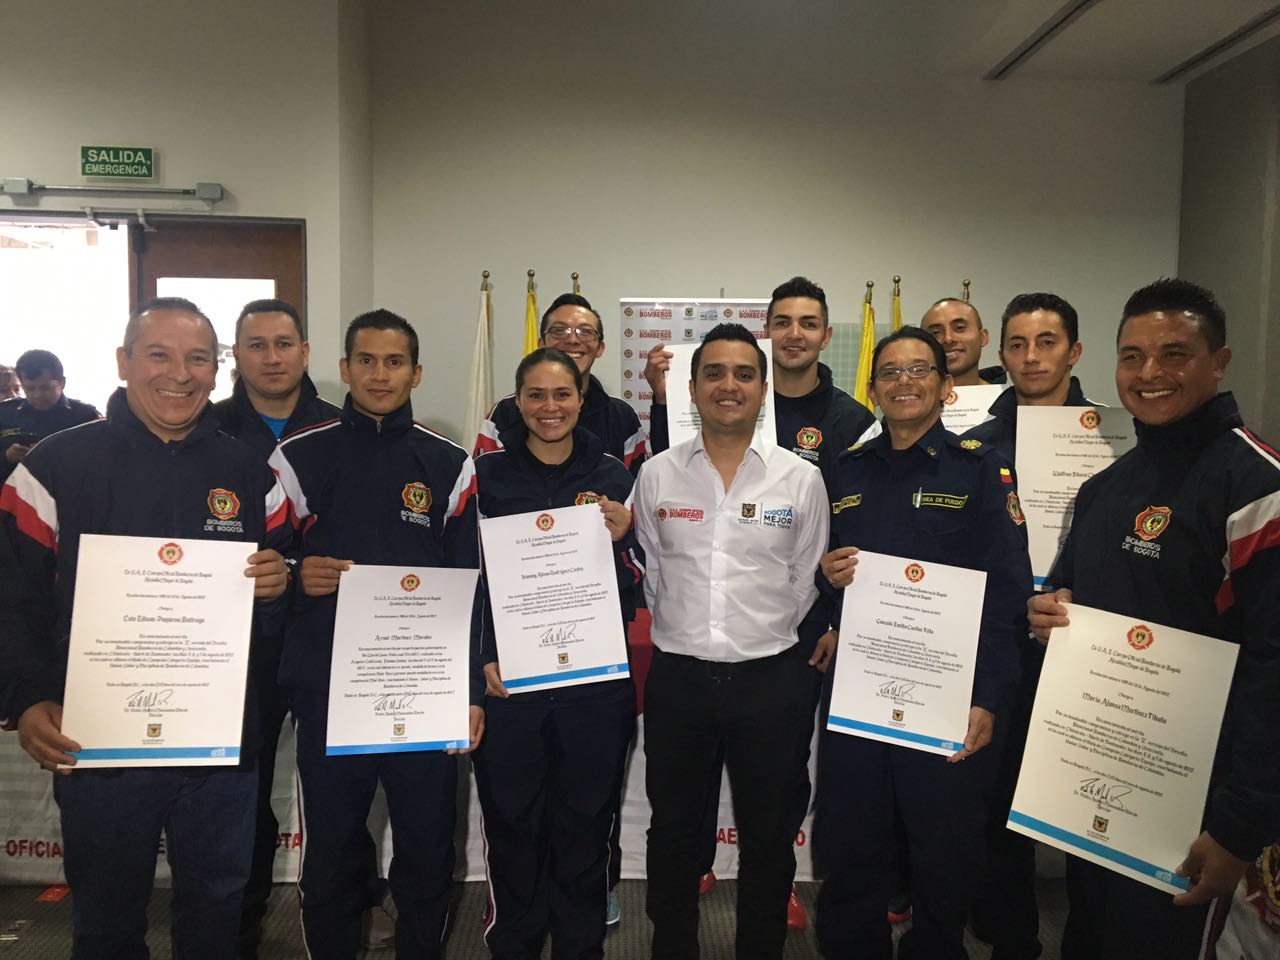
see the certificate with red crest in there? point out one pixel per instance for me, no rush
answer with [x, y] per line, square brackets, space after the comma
[908, 646]
[1121, 742]
[159, 652]
[399, 676]
[967, 407]
[553, 592]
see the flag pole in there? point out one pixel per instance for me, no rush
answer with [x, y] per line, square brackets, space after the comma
[484, 288]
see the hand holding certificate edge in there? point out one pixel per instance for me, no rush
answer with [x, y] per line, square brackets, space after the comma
[837, 566]
[40, 734]
[267, 568]
[1213, 870]
[617, 518]
[1046, 611]
[475, 719]
[319, 575]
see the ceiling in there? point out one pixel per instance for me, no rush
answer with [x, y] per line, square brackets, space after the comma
[1133, 40]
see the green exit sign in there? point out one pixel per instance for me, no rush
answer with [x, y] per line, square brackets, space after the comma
[127, 163]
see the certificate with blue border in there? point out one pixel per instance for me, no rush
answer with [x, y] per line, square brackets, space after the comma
[553, 593]
[905, 659]
[398, 678]
[1121, 743]
[159, 651]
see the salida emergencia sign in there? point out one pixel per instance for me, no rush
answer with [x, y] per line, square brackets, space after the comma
[131, 163]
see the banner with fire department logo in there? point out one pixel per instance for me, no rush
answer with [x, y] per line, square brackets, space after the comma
[649, 322]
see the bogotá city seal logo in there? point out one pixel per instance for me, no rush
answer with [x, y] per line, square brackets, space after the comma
[809, 438]
[1090, 419]
[914, 572]
[410, 582]
[169, 554]
[1150, 523]
[416, 496]
[1140, 636]
[585, 497]
[223, 504]
[545, 522]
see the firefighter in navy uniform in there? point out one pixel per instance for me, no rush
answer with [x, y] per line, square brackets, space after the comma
[917, 491]
[372, 487]
[1185, 528]
[549, 777]
[815, 420]
[272, 397]
[1039, 347]
[44, 410]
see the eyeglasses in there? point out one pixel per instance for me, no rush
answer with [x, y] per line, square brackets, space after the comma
[917, 371]
[560, 331]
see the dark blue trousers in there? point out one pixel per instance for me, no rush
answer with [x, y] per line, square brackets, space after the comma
[339, 856]
[112, 821]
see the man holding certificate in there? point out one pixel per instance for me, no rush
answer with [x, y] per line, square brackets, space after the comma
[555, 521]
[155, 481]
[1184, 530]
[732, 535]
[373, 487]
[916, 492]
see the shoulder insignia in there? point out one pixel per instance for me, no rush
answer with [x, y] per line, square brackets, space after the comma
[856, 446]
[971, 444]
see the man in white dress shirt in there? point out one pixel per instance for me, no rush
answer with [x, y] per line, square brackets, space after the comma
[732, 531]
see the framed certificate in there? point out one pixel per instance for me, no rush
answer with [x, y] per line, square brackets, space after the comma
[159, 653]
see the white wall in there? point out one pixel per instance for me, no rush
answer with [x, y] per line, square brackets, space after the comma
[663, 149]
[239, 92]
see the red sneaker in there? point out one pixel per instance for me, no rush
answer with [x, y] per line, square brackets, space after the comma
[797, 919]
[706, 882]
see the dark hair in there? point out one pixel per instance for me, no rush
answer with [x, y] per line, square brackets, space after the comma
[1030, 302]
[911, 333]
[570, 300]
[381, 319]
[960, 300]
[270, 306]
[548, 355]
[798, 287]
[1183, 296]
[163, 303]
[729, 331]
[35, 363]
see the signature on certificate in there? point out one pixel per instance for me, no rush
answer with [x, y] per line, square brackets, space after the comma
[1106, 793]
[393, 702]
[560, 634]
[146, 699]
[895, 689]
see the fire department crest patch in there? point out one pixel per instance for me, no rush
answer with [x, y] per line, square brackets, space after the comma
[585, 497]
[223, 504]
[169, 554]
[952, 397]
[809, 438]
[1150, 523]
[410, 582]
[416, 496]
[1140, 636]
[914, 572]
[1014, 506]
[545, 522]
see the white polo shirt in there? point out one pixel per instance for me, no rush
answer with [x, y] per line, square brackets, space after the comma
[729, 573]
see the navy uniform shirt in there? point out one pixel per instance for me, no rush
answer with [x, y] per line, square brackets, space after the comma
[1001, 431]
[944, 500]
[20, 422]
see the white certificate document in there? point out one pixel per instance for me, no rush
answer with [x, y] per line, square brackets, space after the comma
[908, 644]
[1059, 448]
[683, 422]
[159, 652]
[967, 406]
[554, 597]
[398, 680]
[1121, 743]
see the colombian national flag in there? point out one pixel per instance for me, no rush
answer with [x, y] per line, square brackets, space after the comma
[1006, 476]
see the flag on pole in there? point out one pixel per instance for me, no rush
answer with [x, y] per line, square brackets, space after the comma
[480, 395]
[897, 304]
[865, 350]
[530, 319]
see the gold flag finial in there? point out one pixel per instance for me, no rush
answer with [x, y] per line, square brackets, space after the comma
[574, 277]
[870, 284]
[965, 284]
[897, 285]
[484, 280]
[531, 281]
